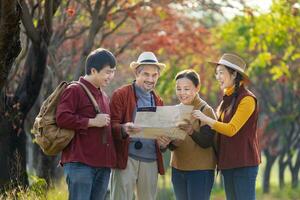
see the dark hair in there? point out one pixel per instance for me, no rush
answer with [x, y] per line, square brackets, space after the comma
[98, 59]
[190, 74]
[237, 81]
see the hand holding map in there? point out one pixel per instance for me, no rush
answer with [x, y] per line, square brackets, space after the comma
[163, 121]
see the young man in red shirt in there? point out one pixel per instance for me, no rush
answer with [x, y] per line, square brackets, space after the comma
[89, 157]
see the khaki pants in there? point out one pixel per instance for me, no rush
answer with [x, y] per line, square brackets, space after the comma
[138, 176]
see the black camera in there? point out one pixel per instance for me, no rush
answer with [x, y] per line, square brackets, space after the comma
[138, 145]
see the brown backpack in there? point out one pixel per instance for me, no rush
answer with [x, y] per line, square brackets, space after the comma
[51, 138]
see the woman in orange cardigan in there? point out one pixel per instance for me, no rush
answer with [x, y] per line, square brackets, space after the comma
[239, 154]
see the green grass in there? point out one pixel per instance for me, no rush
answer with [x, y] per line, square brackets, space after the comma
[38, 189]
[59, 192]
[165, 191]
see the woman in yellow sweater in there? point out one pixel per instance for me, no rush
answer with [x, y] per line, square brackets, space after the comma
[239, 153]
[192, 166]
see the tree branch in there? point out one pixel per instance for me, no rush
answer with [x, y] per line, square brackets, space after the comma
[48, 15]
[114, 29]
[28, 24]
[82, 30]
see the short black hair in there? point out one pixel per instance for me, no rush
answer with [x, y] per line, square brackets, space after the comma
[190, 74]
[98, 59]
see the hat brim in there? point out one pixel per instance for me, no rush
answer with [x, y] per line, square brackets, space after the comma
[246, 78]
[135, 65]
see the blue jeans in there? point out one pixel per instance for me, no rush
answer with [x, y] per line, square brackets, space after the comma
[239, 183]
[196, 184]
[85, 182]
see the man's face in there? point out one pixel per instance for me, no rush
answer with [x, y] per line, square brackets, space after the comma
[147, 76]
[104, 76]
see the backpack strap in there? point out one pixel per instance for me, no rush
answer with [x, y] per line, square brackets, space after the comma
[202, 107]
[91, 97]
[95, 104]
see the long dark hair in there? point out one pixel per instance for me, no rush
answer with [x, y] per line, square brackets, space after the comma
[237, 82]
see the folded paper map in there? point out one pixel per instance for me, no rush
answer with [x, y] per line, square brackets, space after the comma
[163, 121]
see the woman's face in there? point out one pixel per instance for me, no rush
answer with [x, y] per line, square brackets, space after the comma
[186, 90]
[225, 78]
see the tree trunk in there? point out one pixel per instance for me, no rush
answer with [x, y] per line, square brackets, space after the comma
[282, 166]
[10, 45]
[13, 139]
[295, 178]
[12, 126]
[295, 171]
[12, 147]
[12, 156]
[281, 175]
[267, 173]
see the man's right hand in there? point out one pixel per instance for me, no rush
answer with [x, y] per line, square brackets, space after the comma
[100, 120]
[130, 128]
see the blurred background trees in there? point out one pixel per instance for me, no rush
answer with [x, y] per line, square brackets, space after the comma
[45, 42]
[270, 43]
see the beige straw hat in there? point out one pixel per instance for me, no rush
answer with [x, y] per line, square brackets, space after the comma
[234, 62]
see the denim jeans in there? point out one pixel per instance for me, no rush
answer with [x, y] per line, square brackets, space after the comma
[196, 184]
[85, 182]
[239, 183]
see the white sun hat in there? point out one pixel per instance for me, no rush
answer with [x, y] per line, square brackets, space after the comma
[147, 58]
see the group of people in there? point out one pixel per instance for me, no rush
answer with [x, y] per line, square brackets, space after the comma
[103, 150]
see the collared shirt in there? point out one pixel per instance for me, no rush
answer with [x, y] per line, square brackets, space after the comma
[147, 153]
[123, 102]
[73, 112]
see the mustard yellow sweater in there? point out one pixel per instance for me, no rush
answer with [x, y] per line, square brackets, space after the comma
[244, 111]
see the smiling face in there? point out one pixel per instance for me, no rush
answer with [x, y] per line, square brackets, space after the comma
[186, 90]
[147, 76]
[103, 77]
[225, 77]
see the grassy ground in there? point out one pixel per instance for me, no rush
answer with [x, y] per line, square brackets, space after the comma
[37, 190]
[166, 192]
[217, 194]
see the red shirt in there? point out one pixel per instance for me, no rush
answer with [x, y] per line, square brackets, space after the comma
[73, 112]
